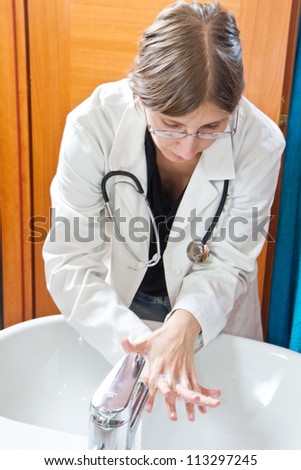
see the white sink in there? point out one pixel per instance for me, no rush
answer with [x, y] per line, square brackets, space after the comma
[48, 375]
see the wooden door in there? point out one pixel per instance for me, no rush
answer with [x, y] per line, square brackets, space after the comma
[15, 173]
[74, 45]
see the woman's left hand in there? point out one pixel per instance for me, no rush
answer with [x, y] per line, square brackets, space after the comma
[170, 368]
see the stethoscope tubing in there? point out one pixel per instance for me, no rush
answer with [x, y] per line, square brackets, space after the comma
[216, 217]
[156, 258]
[110, 174]
[199, 244]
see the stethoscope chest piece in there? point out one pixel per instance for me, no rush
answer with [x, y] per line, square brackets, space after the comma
[197, 251]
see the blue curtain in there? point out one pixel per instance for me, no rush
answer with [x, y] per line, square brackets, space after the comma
[284, 326]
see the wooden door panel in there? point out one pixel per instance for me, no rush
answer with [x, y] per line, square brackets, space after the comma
[15, 210]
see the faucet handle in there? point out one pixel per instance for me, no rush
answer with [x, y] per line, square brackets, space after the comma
[117, 390]
[141, 397]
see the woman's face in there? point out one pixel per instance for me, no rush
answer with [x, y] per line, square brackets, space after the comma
[206, 118]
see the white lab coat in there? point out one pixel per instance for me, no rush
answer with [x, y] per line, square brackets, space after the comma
[93, 279]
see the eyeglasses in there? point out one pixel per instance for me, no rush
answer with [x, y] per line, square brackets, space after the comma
[167, 134]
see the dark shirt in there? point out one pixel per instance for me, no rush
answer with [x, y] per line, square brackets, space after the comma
[164, 211]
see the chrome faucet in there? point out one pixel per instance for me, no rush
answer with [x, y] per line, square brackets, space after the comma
[117, 405]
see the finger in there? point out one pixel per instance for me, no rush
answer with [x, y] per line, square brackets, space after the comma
[195, 386]
[164, 386]
[190, 411]
[208, 393]
[155, 373]
[170, 402]
[214, 393]
[202, 409]
[150, 401]
[191, 396]
[127, 345]
[211, 393]
[144, 379]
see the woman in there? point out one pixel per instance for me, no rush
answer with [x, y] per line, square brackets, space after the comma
[180, 125]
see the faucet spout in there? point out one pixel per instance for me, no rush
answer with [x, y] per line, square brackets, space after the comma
[117, 405]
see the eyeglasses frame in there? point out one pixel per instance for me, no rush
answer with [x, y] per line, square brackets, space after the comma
[201, 135]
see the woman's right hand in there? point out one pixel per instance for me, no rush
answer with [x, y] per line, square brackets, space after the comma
[169, 353]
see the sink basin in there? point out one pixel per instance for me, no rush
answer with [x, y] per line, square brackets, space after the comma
[49, 373]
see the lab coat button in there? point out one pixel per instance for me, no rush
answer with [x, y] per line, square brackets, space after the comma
[176, 270]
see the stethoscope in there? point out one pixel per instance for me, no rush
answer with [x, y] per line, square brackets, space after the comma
[197, 250]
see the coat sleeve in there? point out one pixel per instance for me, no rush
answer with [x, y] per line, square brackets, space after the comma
[77, 245]
[213, 289]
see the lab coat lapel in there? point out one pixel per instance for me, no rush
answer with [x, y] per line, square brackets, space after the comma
[218, 160]
[128, 154]
[215, 164]
[128, 148]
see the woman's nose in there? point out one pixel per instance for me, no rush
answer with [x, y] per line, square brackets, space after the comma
[189, 146]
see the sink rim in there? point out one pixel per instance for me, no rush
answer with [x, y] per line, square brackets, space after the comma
[26, 325]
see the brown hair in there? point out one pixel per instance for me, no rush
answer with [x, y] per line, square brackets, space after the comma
[190, 55]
